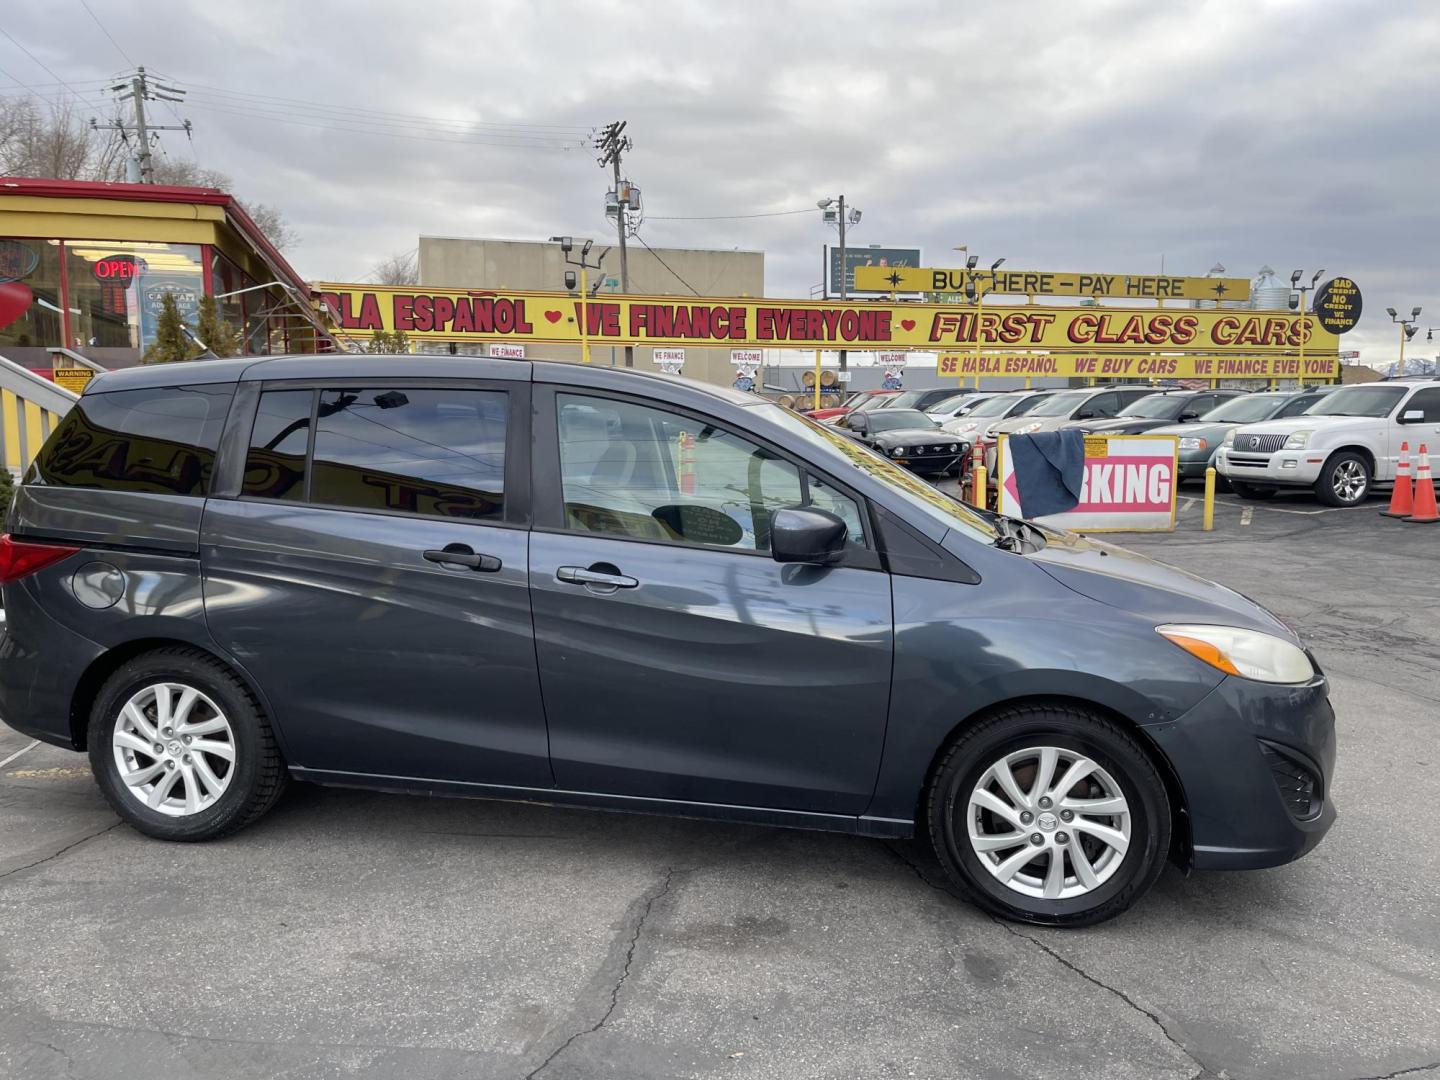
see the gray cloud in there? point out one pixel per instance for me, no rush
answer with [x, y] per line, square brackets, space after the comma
[1060, 135]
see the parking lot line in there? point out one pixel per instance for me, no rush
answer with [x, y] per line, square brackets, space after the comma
[1246, 514]
[17, 753]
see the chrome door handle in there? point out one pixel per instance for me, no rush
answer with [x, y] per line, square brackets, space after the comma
[578, 575]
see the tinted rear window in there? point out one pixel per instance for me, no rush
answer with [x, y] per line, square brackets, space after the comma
[160, 440]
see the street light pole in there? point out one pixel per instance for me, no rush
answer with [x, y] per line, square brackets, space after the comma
[1408, 329]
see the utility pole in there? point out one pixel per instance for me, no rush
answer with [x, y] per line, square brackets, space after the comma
[844, 283]
[142, 89]
[612, 142]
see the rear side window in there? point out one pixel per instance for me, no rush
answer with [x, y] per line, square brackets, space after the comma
[160, 440]
[275, 462]
[418, 451]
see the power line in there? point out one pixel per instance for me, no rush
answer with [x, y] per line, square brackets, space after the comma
[480, 140]
[239, 97]
[667, 266]
[96, 19]
[39, 63]
[731, 217]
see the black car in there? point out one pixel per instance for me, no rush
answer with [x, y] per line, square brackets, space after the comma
[908, 437]
[1157, 410]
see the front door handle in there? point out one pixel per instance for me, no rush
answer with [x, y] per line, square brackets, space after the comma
[597, 580]
[464, 555]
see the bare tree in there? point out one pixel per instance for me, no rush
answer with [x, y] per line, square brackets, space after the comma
[189, 174]
[56, 141]
[402, 268]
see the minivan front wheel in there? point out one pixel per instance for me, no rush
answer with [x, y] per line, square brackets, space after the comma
[180, 747]
[1049, 814]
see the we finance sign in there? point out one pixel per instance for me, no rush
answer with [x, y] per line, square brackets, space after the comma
[562, 318]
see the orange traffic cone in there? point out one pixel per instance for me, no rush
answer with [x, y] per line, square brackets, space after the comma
[1425, 512]
[1402, 499]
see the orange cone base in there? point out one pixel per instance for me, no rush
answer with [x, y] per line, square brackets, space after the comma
[1421, 521]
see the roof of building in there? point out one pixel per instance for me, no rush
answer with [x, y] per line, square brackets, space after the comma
[95, 189]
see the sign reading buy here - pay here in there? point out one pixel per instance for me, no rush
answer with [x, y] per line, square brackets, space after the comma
[1129, 485]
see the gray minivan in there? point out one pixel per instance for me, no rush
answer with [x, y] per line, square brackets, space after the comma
[576, 585]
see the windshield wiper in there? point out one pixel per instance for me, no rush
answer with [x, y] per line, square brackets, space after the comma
[1016, 533]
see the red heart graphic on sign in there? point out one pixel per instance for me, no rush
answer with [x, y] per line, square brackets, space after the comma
[553, 316]
[15, 300]
[908, 324]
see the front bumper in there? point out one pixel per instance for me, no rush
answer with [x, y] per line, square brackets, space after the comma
[1242, 814]
[1299, 467]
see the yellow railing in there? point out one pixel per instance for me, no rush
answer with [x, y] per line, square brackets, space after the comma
[31, 407]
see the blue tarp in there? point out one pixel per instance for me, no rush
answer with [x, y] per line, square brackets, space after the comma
[1049, 471]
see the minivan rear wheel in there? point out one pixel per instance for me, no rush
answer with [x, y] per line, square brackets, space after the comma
[1049, 814]
[180, 747]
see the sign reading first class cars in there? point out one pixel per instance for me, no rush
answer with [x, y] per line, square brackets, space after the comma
[359, 310]
[1037, 283]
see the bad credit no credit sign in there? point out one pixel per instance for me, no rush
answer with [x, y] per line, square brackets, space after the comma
[359, 311]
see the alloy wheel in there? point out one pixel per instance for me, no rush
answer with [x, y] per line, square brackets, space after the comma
[1048, 822]
[174, 749]
[1349, 480]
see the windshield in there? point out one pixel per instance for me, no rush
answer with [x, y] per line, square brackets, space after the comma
[1247, 408]
[995, 406]
[872, 401]
[901, 420]
[836, 448]
[1028, 405]
[906, 399]
[1156, 407]
[1359, 401]
[1059, 404]
[950, 405]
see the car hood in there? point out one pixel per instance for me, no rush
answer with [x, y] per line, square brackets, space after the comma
[1116, 425]
[1046, 423]
[906, 436]
[1152, 590]
[1211, 432]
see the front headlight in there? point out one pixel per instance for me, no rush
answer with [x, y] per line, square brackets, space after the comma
[1247, 653]
[1229, 439]
[1193, 444]
[954, 446]
[1026, 429]
[1298, 440]
[898, 451]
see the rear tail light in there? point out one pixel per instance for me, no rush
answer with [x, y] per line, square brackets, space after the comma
[19, 558]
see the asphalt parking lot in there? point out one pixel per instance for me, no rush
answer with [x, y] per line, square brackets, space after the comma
[358, 935]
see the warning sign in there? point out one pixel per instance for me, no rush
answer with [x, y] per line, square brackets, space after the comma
[74, 379]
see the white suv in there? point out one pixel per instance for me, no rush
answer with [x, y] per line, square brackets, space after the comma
[1347, 442]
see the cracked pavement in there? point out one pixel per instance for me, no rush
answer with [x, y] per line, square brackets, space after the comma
[352, 934]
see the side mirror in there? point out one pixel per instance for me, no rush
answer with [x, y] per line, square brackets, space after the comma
[1086, 413]
[1413, 416]
[1188, 415]
[802, 534]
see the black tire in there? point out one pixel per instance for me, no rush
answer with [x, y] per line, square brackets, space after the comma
[1104, 742]
[257, 775]
[1253, 492]
[1330, 477]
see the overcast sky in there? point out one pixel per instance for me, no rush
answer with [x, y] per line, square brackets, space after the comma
[1063, 136]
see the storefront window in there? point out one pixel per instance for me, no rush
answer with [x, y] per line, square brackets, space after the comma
[227, 280]
[30, 293]
[116, 289]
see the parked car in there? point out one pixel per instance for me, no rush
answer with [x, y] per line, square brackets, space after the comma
[919, 399]
[860, 399]
[1057, 410]
[1340, 447]
[957, 405]
[910, 438]
[576, 585]
[1156, 410]
[978, 422]
[1200, 439]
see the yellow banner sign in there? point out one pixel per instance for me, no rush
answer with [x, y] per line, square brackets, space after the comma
[557, 318]
[913, 279]
[74, 379]
[1025, 365]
